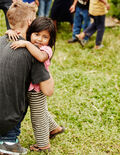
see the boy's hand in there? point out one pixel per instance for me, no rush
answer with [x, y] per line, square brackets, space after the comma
[72, 8]
[13, 35]
[18, 44]
[108, 6]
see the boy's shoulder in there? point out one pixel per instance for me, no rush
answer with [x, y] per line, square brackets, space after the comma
[4, 40]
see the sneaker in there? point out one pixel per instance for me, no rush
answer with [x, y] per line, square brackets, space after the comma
[14, 149]
[84, 42]
[97, 47]
[72, 40]
[81, 41]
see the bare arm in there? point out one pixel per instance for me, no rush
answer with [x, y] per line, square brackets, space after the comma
[13, 35]
[106, 4]
[72, 8]
[35, 52]
[37, 2]
[47, 87]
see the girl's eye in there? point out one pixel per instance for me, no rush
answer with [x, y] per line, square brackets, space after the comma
[36, 34]
[45, 37]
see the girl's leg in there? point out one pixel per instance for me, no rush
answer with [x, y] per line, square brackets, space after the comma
[100, 24]
[86, 21]
[39, 118]
[91, 29]
[52, 124]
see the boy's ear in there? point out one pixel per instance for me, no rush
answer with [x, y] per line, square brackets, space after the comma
[29, 22]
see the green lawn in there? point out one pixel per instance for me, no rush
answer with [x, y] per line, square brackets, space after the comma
[87, 96]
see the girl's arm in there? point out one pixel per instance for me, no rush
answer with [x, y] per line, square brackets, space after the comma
[13, 35]
[35, 52]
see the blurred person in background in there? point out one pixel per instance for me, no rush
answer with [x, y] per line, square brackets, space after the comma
[4, 5]
[60, 12]
[97, 10]
[44, 8]
[32, 1]
[81, 18]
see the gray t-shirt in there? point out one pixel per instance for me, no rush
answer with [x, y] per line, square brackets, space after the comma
[17, 69]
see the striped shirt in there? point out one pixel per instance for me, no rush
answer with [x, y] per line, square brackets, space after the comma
[97, 8]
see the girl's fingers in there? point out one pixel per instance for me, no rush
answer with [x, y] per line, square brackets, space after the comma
[9, 37]
[14, 46]
[14, 37]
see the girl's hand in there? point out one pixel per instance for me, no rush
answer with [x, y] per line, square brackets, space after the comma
[13, 35]
[18, 44]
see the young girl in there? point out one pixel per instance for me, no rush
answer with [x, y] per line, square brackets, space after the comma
[42, 34]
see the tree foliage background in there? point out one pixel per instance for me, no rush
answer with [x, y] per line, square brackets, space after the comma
[115, 8]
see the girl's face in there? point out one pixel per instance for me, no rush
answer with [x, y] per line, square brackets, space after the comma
[41, 38]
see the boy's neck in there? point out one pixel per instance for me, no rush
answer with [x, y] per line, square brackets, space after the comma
[21, 32]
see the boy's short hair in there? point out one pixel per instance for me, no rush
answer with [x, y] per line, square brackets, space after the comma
[19, 12]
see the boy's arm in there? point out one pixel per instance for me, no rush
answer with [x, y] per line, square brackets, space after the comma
[47, 87]
[106, 4]
[72, 8]
[35, 52]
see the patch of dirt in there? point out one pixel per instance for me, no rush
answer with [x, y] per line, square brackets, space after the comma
[112, 22]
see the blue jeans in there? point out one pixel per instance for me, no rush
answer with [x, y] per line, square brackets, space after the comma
[29, 1]
[81, 21]
[44, 8]
[99, 26]
[12, 135]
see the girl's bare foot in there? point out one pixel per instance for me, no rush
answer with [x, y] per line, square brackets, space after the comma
[58, 129]
[35, 147]
[55, 132]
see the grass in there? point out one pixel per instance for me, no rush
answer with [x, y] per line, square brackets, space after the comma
[87, 96]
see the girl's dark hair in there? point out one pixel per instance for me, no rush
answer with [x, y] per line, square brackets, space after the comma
[40, 24]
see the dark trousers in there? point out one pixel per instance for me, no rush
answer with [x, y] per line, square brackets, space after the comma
[5, 6]
[12, 135]
[99, 26]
